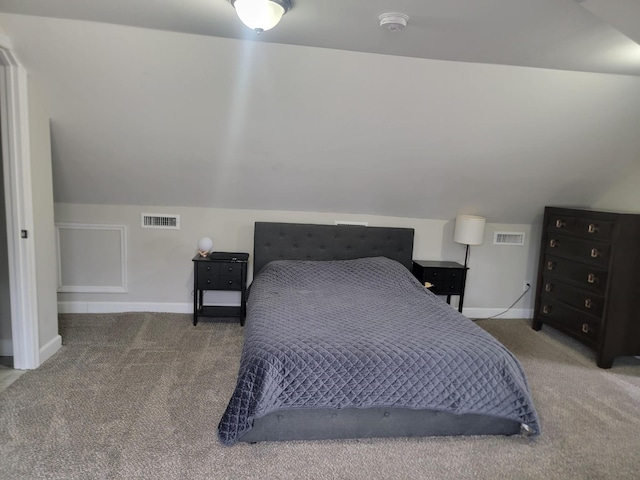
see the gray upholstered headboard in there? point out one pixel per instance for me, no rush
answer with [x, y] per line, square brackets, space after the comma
[297, 241]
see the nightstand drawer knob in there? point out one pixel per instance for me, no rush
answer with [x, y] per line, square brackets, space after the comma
[560, 223]
[208, 268]
[548, 287]
[231, 269]
[553, 243]
[230, 282]
[591, 278]
[595, 253]
[588, 303]
[208, 282]
[546, 309]
[592, 228]
[585, 327]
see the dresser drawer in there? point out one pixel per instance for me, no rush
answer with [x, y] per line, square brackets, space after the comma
[597, 229]
[581, 249]
[588, 302]
[591, 278]
[561, 223]
[578, 324]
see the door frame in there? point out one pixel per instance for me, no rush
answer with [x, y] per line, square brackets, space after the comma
[16, 162]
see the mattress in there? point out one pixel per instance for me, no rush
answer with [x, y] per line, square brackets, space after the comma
[362, 334]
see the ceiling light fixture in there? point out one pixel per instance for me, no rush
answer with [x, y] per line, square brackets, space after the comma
[261, 15]
[393, 21]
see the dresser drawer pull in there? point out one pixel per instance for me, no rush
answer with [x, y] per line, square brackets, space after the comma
[588, 303]
[595, 253]
[553, 243]
[208, 282]
[548, 287]
[546, 308]
[231, 269]
[561, 223]
[230, 282]
[551, 265]
[585, 328]
[591, 278]
[592, 228]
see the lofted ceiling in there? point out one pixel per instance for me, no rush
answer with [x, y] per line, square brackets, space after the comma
[495, 107]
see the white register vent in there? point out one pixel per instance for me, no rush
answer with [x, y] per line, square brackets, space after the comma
[160, 220]
[508, 238]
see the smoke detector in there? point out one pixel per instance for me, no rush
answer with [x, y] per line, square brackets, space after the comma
[393, 21]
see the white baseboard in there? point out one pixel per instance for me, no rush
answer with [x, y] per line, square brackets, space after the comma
[121, 307]
[6, 348]
[51, 347]
[477, 313]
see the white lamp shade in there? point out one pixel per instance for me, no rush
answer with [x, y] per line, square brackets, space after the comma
[469, 229]
[259, 14]
[205, 244]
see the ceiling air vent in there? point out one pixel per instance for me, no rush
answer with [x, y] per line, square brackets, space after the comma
[160, 220]
[508, 238]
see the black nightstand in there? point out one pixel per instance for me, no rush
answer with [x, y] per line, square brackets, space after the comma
[220, 271]
[446, 278]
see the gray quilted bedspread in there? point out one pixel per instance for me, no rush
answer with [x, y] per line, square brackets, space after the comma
[365, 333]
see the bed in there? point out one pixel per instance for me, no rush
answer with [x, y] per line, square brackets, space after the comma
[342, 341]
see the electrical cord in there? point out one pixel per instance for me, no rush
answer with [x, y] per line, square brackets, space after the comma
[510, 307]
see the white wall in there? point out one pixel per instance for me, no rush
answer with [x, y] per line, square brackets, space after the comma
[624, 197]
[160, 271]
[44, 233]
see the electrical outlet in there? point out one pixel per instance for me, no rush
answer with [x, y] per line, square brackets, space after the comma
[526, 285]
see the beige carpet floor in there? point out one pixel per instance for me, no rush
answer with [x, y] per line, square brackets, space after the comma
[137, 396]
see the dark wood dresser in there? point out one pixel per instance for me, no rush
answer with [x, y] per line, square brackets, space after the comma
[588, 282]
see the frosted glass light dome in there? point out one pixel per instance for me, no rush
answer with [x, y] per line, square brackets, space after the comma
[205, 245]
[261, 15]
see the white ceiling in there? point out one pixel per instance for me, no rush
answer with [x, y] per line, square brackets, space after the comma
[174, 113]
[583, 35]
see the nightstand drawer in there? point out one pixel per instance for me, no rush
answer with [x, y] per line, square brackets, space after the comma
[231, 269]
[206, 269]
[226, 282]
[448, 284]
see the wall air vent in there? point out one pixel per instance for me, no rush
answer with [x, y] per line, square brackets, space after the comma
[160, 220]
[508, 238]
